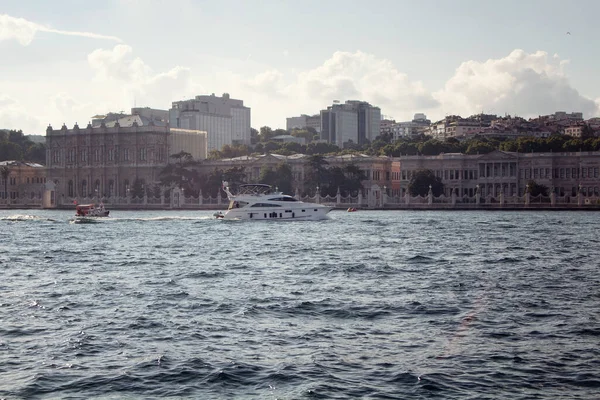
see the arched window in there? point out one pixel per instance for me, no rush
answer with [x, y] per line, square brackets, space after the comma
[84, 192]
[71, 189]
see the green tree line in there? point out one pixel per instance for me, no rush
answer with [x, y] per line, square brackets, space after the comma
[262, 143]
[16, 146]
[184, 172]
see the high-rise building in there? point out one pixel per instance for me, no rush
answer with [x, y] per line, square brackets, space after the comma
[351, 122]
[226, 120]
[304, 121]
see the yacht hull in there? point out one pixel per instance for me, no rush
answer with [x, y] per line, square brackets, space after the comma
[306, 213]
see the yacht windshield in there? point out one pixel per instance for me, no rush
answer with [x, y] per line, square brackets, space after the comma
[255, 189]
[285, 198]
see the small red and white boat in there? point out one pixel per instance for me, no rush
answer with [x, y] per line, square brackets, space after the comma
[91, 210]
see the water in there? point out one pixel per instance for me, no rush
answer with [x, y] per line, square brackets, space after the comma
[372, 304]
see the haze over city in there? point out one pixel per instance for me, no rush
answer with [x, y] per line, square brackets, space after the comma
[65, 61]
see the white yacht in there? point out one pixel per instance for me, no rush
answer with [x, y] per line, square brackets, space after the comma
[260, 202]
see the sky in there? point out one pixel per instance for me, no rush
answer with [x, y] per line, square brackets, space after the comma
[63, 61]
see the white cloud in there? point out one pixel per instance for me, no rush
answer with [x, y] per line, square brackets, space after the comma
[24, 31]
[526, 84]
[344, 76]
[366, 77]
[135, 79]
[270, 81]
[14, 115]
[521, 83]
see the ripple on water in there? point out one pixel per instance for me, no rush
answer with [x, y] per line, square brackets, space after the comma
[366, 305]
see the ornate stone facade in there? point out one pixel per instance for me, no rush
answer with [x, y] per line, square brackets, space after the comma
[104, 162]
[504, 172]
[24, 184]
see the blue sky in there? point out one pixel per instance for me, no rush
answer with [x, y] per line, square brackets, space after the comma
[64, 61]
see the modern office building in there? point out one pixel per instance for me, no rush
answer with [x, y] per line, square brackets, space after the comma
[226, 120]
[351, 122]
[304, 121]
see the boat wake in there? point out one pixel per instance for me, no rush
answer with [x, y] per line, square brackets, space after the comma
[84, 220]
[26, 218]
[160, 219]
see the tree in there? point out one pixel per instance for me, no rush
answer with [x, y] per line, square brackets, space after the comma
[10, 151]
[317, 171]
[36, 152]
[354, 177]
[431, 147]
[420, 182]
[235, 176]
[254, 136]
[212, 183]
[336, 180]
[182, 173]
[478, 147]
[280, 177]
[266, 133]
[536, 189]
[303, 133]
[271, 147]
[137, 189]
[321, 148]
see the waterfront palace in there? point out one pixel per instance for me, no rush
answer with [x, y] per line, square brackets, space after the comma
[104, 162]
[492, 173]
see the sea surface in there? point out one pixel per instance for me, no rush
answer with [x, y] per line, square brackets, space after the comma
[371, 304]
